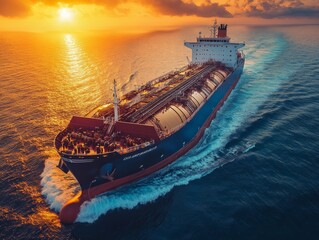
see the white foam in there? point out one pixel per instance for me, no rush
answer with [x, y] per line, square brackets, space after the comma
[57, 187]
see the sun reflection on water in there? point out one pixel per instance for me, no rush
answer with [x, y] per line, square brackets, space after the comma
[73, 54]
[81, 71]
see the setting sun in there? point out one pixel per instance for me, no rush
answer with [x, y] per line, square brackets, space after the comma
[65, 14]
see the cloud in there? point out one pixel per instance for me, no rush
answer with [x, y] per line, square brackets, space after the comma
[12, 8]
[284, 13]
[250, 8]
[178, 7]
[275, 8]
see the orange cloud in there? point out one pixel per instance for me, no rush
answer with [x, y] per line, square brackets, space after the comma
[166, 7]
[207, 8]
[14, 8]
[178, 7]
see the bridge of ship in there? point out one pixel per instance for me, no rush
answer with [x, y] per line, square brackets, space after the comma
[148, 114]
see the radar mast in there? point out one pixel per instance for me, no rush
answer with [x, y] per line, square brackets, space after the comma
[213, 29]
[116, 103]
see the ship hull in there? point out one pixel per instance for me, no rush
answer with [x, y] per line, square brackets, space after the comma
[130, 167]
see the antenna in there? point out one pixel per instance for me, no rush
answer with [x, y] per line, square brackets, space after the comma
[116, 103]
[189, 61]
[213, 29]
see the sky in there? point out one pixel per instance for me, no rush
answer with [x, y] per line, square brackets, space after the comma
[147, 15]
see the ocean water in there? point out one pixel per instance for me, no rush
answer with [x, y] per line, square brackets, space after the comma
[254, 175]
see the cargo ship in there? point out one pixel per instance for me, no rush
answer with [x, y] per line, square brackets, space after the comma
[152, 126]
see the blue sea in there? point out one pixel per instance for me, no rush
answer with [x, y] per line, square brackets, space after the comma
[254, 174]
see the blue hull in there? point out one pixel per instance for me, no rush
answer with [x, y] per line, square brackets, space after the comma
[90, 171]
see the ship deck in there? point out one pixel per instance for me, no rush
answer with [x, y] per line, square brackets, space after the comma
[148, 114]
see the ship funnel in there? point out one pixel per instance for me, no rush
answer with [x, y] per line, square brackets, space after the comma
[222, 31]
[116, 103]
